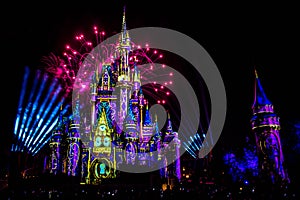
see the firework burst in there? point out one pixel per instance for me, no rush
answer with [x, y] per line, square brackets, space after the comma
[90, 54]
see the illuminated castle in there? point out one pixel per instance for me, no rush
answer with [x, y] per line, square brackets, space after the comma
[120, 133]
[266, 127]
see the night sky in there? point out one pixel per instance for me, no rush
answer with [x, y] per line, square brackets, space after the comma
[239, 38]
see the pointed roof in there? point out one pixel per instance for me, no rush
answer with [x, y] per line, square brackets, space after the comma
[136, 77]
[124, 29]
[124, 36]
[60, 114]
[148, 121]
[130, 118]
[141, 92]
[260, 97]
[169, 126]
[157, 133]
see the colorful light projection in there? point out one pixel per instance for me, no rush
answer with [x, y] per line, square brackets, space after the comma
[194, 144]
[39, 103]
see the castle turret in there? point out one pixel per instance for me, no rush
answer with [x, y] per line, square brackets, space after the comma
[157, 139]
[141, 107]
[168, 137]
[135, 94]
[136, 78]
[177, 144]
[147, 126]
[131, 137]
[55, 146]
[130, 125]
[74, 143]
[266, 128]
[93, 90]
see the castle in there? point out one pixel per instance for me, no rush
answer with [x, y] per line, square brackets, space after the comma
[120, 133]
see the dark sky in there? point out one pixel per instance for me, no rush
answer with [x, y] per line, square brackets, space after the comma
[238, 37]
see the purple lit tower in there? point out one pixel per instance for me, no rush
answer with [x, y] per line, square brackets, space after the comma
[55, 147]
[74, 143]
[172, 170]
[266, 128]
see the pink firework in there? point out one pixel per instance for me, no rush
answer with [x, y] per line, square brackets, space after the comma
[82, 55]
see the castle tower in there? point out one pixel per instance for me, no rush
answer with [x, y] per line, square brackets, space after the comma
[105, 93]
[177, 144]
[124, 47]
[172, 143]
[158, 140]
[168, 137]
[131, 137]
[74, 149]
[93, 91]
[103, 159]
[130, 125]
[135, 93]
[55, 147]
[266, 128]
[74, 143]
[147, 126]
[124, 72]
[141, 118]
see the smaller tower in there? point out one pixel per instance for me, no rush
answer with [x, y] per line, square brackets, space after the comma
[141, 118]
[130, 125]
[158, 139]
[56, 146]
[131, 137]
[135, 94]
[168, 137]
[147, 126]
[74, 149]
[93, 91]
[74, 142]
[172, 145]
[266, 128]
[177, 144]
[136, 79]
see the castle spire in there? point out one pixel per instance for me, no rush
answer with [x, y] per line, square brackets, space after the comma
[124, 22]
[136, 77]
[147, 121]
[130, 118]
[60, 118]
[260, 97]
[157, 131]
[124, 49]
[124, 37]
[169, 126]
